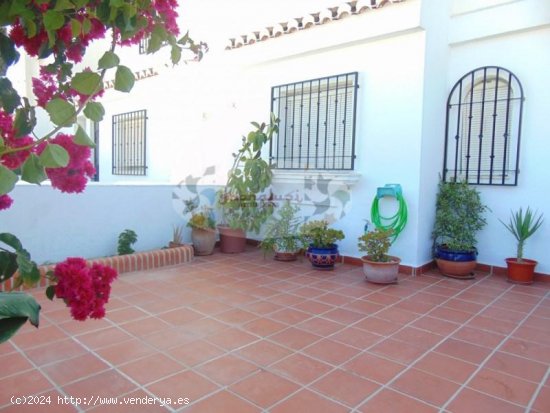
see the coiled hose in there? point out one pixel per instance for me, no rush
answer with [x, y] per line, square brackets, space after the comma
[396, 222]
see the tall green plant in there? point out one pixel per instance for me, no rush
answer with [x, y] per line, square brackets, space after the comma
[282, 230]
[248, 177]
[458, 216]
[522, 227]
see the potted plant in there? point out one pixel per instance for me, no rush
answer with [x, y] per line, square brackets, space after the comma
[203, 227]
[281, 233]
[458, 217]
[242, 209]
[378, 266]
[522, 270]
[322, 251]
[177, 237]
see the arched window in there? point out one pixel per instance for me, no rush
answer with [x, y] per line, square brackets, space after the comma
[483, 128]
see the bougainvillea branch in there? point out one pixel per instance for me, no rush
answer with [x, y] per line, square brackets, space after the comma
[58, 33]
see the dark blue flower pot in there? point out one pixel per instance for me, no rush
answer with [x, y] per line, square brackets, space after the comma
[442, 252]
[323, 258]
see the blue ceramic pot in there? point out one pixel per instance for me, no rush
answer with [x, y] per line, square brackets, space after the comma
[323, 258]
[442, 252]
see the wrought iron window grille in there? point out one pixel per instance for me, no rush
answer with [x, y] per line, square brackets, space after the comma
[129, 143]
[483, 128]
[316, 123]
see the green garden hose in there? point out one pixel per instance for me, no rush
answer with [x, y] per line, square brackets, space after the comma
[396, 222]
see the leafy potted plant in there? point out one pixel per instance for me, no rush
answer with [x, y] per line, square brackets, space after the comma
[522, 270]
[203, 227]
[177, 237]
[322, 251]
[282, 233]
[378, 266]
[242, 209]
[458, 217]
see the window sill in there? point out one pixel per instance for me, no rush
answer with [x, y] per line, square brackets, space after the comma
[348, 178]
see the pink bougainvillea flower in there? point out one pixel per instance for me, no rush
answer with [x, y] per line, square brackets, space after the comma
[5, 202]
[84, 289]
[73, 177]
[13, 160]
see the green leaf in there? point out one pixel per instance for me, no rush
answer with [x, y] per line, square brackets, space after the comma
[50, 292]
[25, 121]
[11, 241]
[108, 60]
[124, 79]
[15, 309]
[76, 27]
[53, 20]
[32, 170]
[63, 5]
[175, 54]
[82, 138]
[8, 265]
[86, 26]
[9, 98]
[116, 3]
[18, 7]
[54, 156]
[7, 180]
[86, 83]
[61, 112]
[30, 26]
[28, 271]
[94, 111]
[8, 53]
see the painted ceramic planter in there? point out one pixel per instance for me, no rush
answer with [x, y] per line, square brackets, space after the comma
[323, 258]
[456, 264]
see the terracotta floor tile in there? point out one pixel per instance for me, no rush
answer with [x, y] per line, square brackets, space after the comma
[542, 402]
[236, 316]
[463, 350]
[374, 367]
[471, 401]
[56, 351]
[398, 350]
[300, 368]
[210, 307]
[222, 402]
[104, 338]
[381, 298]
[415, 305]
[417, 337]
[290, 316]
[364, 307]
[435, 325]
[186, 384]
[145, 326]
[137, 402]
[335, 299]
[76, 328]
[431, 389]
[23, 384]
[313, 307]
[126, 314]
[345, 387]
[397, 315]
[445, 366]
[503, 386]
[342, 316]
[13, 363]
[264, 327]
[264, 388]
[320, 326]
[389, 401]
[517, 366]
[285, 299]
[480, 337]
[264, 353]
[38, 337]
[379, 326]
[125, 351]
[533, 334]
[180, 316]
[491, 324]
[308, 292]
[465, 306]
[195, 352]
[205, 327]
[528, 349]
[227, 369]
[450, 314]
[231, 339]
[294, 338]
[306, 401]
[151, 368]
[263, 307]
[109, 383]
[76, 368]
[330, 351]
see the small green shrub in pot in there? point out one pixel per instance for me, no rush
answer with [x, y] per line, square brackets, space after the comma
[376, 244]
[319, 235]
[281, 233]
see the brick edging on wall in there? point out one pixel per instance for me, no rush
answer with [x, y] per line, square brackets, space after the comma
[139, 261]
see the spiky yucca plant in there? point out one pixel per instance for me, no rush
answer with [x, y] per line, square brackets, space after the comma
[522, 227]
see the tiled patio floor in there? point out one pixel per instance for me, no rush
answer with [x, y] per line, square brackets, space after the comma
[243, 334]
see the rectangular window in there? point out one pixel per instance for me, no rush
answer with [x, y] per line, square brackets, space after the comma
[143, 45]
[129, 143]
[317, 123]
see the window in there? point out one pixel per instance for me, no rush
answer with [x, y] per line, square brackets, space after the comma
[317, 123]
[143, 45]
[483, 128]
[129, 139]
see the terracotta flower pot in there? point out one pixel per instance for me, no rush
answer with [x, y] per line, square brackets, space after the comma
[456, 264]
[232, 240]
[285, 256]
[521, 272]
[381, 272]
[204, 241]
